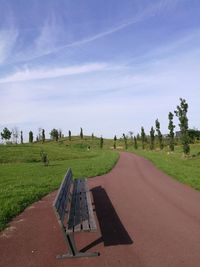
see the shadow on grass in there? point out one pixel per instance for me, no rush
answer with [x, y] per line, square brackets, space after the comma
[112, 230]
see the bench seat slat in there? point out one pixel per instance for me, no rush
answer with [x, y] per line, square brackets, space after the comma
[92, 222]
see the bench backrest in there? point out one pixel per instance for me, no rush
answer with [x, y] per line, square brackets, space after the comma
[63, 198]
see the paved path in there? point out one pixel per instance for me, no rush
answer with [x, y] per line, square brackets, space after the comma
[145, 219]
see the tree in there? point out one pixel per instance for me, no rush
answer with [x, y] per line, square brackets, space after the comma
[40, 133]
[194, 134]
[70, 135]
[81, 133]
[115, 139]
[54, 134]
[135, 143]
[30, 137]
[21, 137]
[181, 113]
[60, 133]
[152, 138]
[160, 137]
[44, 158]
[143, 137]
[101, 142]
[43, 135]
[6, 134]
[15, 133]
[125, 141]
[171, 127]
[92, 136]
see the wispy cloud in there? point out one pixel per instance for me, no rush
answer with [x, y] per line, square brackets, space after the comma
[50, 35]
[28, 74]
[8, 39]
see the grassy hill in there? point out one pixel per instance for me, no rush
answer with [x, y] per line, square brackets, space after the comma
[24, 179]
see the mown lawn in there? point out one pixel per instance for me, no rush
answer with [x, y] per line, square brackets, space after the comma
[24, 179]
[184, 169]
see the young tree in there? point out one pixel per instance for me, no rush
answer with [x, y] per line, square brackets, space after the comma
[115, 140]
[171, 127]
[40, 133]
[143, 137]
[15, 133]
[160, 137]
[21, 137]
[81, 133]
[181, 113]
[125, 141]
[135, 143]
[30, 137]
[70, 135]
[43, 135]
[101, 142]
[6, 134]
[152, 138]
[60, 133]
[54, 134]
[44, 158]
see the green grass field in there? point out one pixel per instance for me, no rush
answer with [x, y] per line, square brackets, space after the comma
[185, 170]
[24, 179]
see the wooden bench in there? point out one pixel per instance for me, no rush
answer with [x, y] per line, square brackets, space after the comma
[73, 208]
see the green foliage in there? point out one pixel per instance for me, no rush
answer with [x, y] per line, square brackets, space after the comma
[193, 135]
[101, 142]
[54, 134]
[135, 143]
[21, 137]
[143, 137]
[152, 138]
[30, 137]
[171, 127]
[125, 141]
[81, 133]
[44, 158]
[160, 137]
[43, 135]
[181, 113]
[70, 135]
[6, 134]
[115, 140]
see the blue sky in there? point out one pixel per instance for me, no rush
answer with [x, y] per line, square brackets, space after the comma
[109, 67]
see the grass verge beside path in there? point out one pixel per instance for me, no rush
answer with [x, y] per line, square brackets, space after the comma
[24, 179]
[185, 170]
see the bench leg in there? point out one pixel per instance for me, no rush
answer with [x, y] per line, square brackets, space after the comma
[73, 252]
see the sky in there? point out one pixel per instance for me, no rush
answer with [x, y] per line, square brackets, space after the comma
[108, 66]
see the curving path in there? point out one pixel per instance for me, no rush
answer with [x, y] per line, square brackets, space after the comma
[145, 219]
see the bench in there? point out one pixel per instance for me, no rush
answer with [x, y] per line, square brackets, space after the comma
[73, 209]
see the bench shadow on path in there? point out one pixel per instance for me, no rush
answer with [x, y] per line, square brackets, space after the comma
[112, 230]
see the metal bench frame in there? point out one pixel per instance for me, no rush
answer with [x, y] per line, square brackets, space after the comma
[73, 209]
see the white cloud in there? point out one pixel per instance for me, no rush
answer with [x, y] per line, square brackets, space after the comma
[7, 41]
[28, 74]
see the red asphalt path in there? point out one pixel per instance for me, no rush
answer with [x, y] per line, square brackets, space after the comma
[145, 218]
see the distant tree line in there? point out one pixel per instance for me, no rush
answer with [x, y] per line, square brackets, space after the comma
[154, 140]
